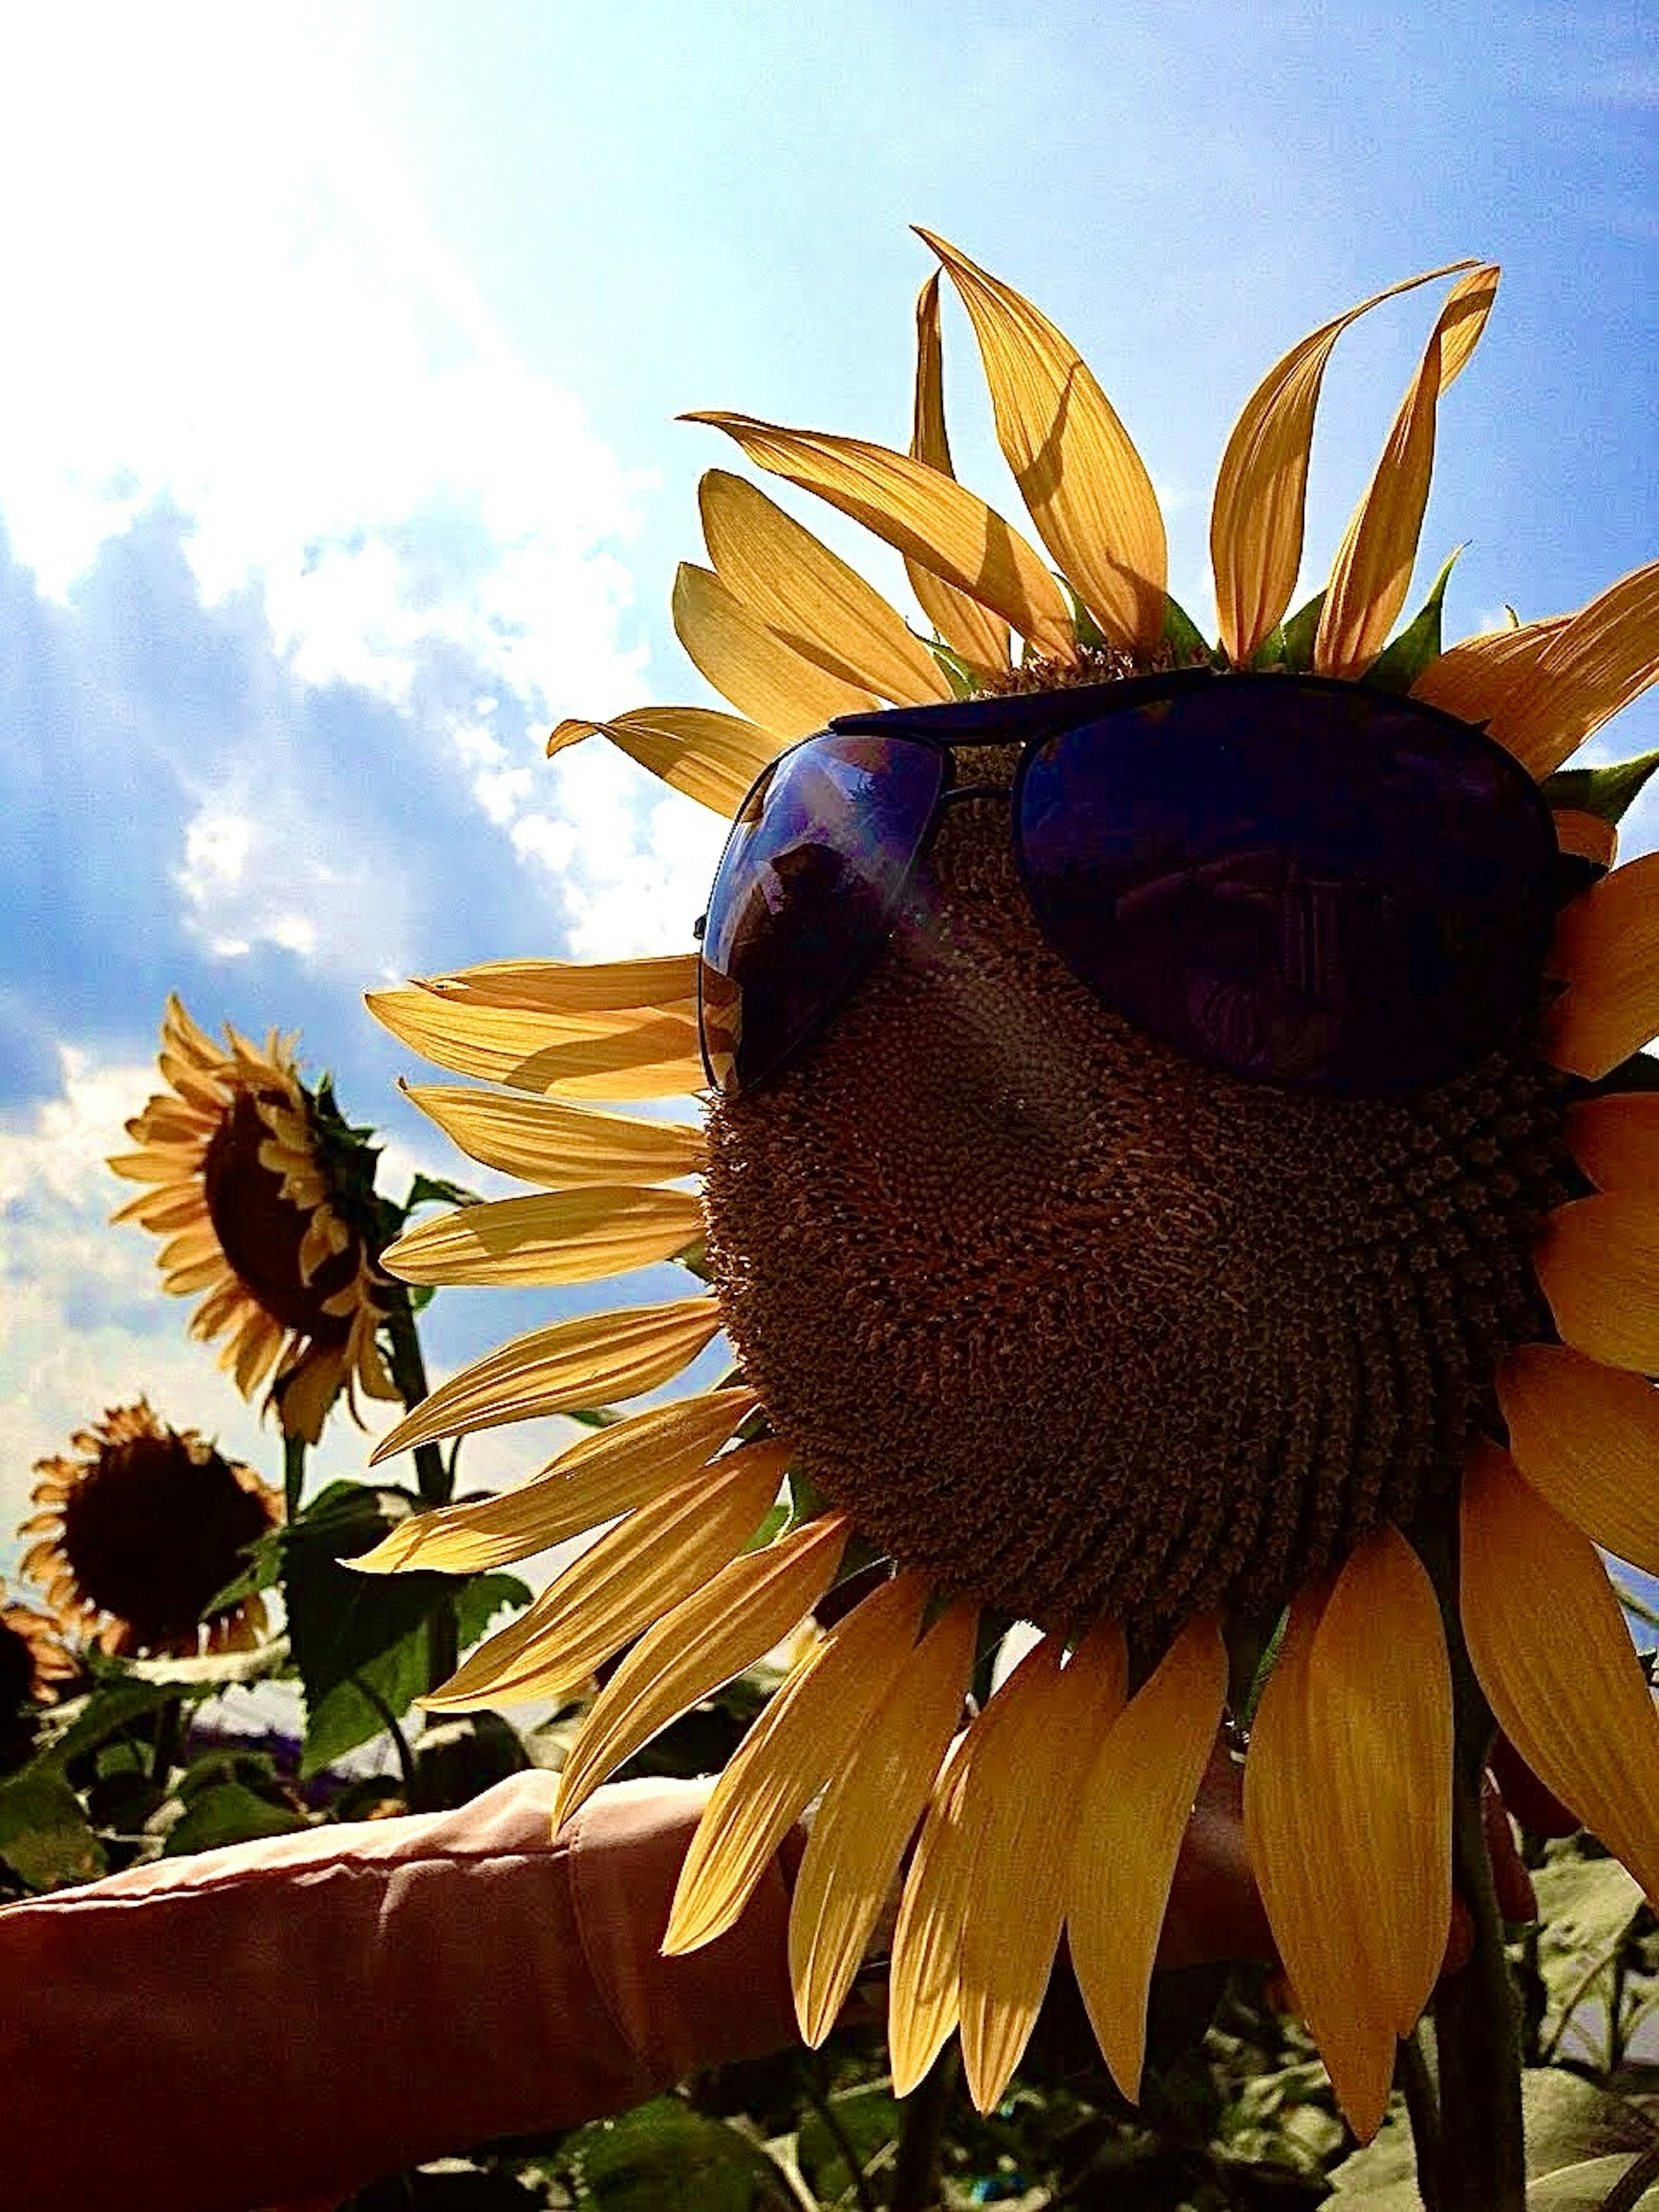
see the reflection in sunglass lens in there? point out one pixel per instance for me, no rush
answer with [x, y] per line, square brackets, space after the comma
[809, 885]
[1299, 881]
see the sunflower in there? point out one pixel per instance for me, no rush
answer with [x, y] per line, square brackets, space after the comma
[139, 1526]
[262, 1194]
[1065, 1324]
[33, 1659]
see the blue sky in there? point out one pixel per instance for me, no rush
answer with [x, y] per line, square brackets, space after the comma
[338, 458]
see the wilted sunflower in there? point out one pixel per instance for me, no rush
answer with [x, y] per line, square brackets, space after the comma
[139, 1526]
[34, 1658]
[255, 1178]
[1166, 1191]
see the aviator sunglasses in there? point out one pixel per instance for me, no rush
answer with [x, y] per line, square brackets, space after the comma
[1292, 878]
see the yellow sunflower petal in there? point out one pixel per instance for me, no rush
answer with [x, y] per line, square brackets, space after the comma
[1261, 492]
[977, 636]
[1597, 1262]
[1554, 1657]
[1318, 1908]
[808, 597]
[655, 1560]
[925, 515]
[1137, 1801]
[608, 1473]
[925, 1986]
[1372, 572]
[1084, 486]
[1616, 1141]
[568, 988]
[710, 756]
[1031, 1777]
[1586, 835]
[589, 1361]
[1587, 1438]
[867, 1819]
[751, 665]
[734, 1620]
[1592, 666]
[1380, 1723]
[1607, 949]
[600, 1056]
[1477, 679]
[558, 1237]
[543, 1140]
[825, 1706]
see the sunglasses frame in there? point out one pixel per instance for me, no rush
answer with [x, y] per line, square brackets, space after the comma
[1029, 720]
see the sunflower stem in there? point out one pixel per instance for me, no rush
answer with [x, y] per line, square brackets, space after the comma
[1415, 2080]
[390, 1722]
[1482, 2164]
[435, 1478]
[294, 1475]
[915, 2163]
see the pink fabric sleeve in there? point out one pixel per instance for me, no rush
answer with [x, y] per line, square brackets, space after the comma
[287, 2020]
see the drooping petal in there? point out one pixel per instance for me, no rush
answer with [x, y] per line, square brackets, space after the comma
[1260, 493]
[710, 756]
[567, 987]
[597, 1056]
[1597, 1262]
[867, 1819]
[750, 665]
[713, 1634]
[1317, 1905]
[1616, 1141]
[1554, 1658]
[1587, 1438]
[808, 597]
[1588, 836]
[558, 1237]
[977, 636]
[1380, 1717]
[608, 1473]
[660, 1556]
[929, 516]
[924, 2001]
[1136, 1805]
[1592, 667]
[1607, 949]
[822, 1711]
[569, 1364]
[1025, 1798]
[543, 1140]
[1084, 486]
[1372, 571]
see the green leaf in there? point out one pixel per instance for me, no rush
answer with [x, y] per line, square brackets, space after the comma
[869, 2117]
[1291, 646]
[1608, 792]
[478, 1601]
[1185, 639]
[459, 1759]
[1403, 660]
[1590, 2185]
[1569, 2121]
[116, 1703]
[229, 1813]
[664, 2157]
[438, 1190]
[44, 1835]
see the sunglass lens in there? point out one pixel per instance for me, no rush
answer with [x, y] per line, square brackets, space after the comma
[808, 888]
[1300, 881]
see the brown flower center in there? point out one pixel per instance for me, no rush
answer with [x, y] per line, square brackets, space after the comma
[153, 1528]
[1086, 1330]
[260, 1232]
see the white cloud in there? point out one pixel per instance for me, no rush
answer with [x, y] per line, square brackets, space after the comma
[253, 321]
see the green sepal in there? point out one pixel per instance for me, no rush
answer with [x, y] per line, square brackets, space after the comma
[438, 1190]
[1290, 647]
[958, 674]
[1607, 792]
[1087, 631]
[1185, 639]
[1400, 662]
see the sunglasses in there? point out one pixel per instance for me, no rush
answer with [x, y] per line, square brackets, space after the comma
[1292, 878]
